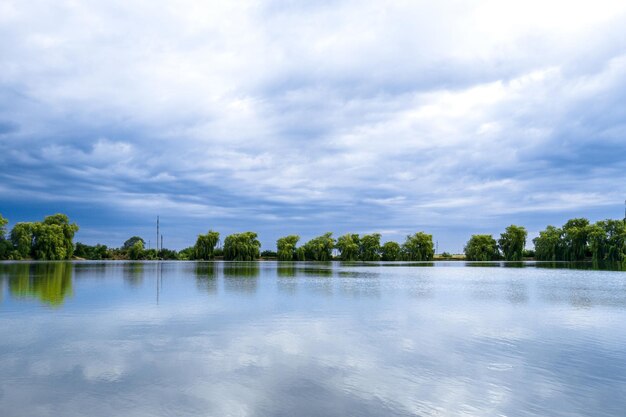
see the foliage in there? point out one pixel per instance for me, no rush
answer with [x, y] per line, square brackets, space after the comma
[481, 248]
[3, 225]
[130, 242]
[205, 245]
[446, 255]
[97, 252]
[549, 244]
[136, 251]
[512, 243]
[167, 254]
[242, 247]
[187, 254]
[575, 235]
[418, 247]
[369, 248]
[348, 246]
[67, 233]
[390, 251]
[319, 248]
[607, 240]
[529, 253]
[268, 254]
[22, 239]
[286, 248]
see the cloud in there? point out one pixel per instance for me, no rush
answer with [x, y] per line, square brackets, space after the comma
[342, 115]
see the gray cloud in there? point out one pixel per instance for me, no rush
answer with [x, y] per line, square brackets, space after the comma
[347, 116]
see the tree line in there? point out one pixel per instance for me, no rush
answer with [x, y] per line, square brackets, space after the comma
[578, 239]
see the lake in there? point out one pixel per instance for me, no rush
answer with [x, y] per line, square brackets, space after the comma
[310, 339]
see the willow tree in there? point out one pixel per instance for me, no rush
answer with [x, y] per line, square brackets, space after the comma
[575, 236]
[5, 245]
[369, 247]
[418, 247]
[390, 251]
[512, 242]
[22, 239]
[242, 247]
[3, 225]
[286, 248]
[549, 244]
[60, 222]
[607, 240]
[205, 245]
[348, 246]
[319, 248]
[482, 248]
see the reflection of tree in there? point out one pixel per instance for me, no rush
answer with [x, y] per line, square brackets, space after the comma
[206, 276]
[241, 276]
[133, 273]
[49, 282]
[286, 270]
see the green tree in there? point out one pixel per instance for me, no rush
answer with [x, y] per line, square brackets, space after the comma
[136, 251]
[5, 245]
[319, 248]
[575, 235]
[482, 248]
[391, 251]
[205, 245]
[242, 247]
[348, 246]
[22, 239]
[418, 247]
[606, 240]
[131, 241]
[67, 229]
[187, 254]
[96, 252]
[549, 244]
[369, 249]
[3, 225]
[286, 248]
[512, 242]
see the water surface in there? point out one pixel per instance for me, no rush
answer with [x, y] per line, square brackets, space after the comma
[307, 339]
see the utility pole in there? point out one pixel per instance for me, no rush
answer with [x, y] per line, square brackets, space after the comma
[158, 234]
[161, 242]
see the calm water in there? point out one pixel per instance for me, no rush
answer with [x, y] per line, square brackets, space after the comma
[263, 339]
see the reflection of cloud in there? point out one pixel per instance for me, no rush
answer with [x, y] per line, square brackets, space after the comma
[274, 352]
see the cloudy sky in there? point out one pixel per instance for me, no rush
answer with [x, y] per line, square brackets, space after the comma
[451, 117]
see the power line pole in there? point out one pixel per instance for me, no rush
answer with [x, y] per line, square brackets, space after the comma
[158, 234]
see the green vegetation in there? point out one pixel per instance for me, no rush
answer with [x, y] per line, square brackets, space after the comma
[205, 246]
[418, 247]
[242, 247]
[390, 251]
[482, 248]
[577, 240]
[348, 246]
[286, 248]
[512, 243]
[319, 248]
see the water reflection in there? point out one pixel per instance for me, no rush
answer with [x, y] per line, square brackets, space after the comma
[241, 277]
[206, 276]
[133, 273]
[310, 340]
[49, 282]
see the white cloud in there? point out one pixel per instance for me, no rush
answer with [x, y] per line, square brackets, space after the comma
[344, 107]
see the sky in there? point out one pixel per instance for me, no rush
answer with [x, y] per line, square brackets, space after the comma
[285, 117]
